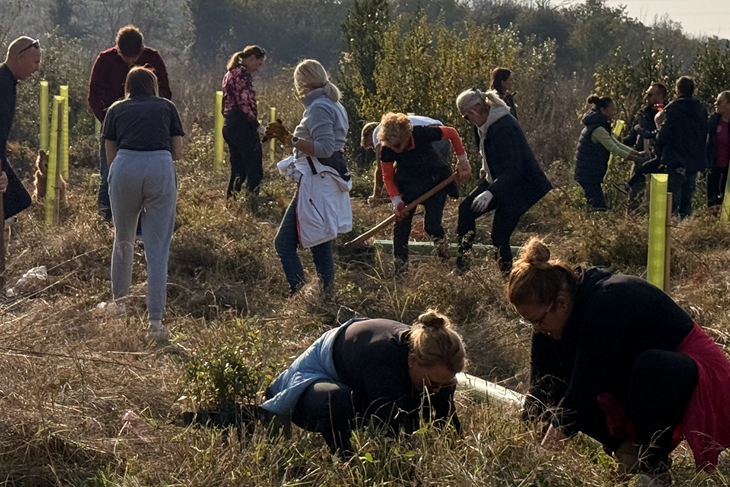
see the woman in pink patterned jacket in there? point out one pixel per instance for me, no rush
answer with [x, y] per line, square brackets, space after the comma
[240, 121]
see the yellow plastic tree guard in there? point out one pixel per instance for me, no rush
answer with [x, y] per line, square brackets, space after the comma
[218, 130]
[272, 142]
[725, 209]
[44, 116]
[64, 133]
[657, 230]
[618, 127]
[53, 157]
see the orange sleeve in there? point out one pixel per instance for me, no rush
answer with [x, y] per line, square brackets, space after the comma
[389, 179]
[453, 136]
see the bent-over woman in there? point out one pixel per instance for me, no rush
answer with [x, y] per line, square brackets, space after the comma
[595, 146]
[411, 167]
[320, 209]
[511, 179]
[371, 370]
[639, 374]
[143, 135]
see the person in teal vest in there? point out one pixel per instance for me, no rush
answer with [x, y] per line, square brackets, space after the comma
[595, 146]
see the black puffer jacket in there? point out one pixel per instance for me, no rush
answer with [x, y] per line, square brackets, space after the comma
[591, 161]
[682, 138]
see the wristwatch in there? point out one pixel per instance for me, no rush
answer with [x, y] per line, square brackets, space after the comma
[294, 139]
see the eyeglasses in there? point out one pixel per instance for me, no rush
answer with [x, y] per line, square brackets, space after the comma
[537, 324]
[35, 43]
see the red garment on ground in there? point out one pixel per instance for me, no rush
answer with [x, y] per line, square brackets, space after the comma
[706, 422]
[722, 146]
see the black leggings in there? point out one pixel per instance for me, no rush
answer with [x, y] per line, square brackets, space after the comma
[328, 408]
[434, 207]
[660, 387]
[246, 156]
[504, 224]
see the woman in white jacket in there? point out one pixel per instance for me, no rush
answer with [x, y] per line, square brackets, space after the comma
[321, 207]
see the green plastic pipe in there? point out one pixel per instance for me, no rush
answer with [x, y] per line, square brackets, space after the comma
[44, 116]
[53, 158]
[218, 131]
[657, 230]
[272, 142]
[64, 133]
[725, 209]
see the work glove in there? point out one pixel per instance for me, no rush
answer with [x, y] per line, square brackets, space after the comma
[276, 130]
[399, 208]
[482, 201]
[463, 168]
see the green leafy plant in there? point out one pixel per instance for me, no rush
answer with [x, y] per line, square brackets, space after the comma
[219, 377]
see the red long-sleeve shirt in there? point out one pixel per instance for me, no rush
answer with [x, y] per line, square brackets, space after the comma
[110, 72]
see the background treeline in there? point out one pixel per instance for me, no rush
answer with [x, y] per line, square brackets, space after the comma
[408, 55]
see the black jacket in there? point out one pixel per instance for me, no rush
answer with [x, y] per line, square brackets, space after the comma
[421, 168]
[518, 180]
[710, 148]
[614, 319]
[591, 160]
[16, 197]
[646, 131]
[371, 357]
[683, 136]
[509, 99]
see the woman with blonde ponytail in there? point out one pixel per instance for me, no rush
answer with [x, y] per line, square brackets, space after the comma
[371, 370]
[320, 209]
[623, 363]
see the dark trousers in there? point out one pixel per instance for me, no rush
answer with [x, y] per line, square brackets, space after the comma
[246, 157]
[637, 181]
[716, 181]
[434, 207]
[328, 408]
[286, 244]
[504, 224]
[660, 387]
[594, 195]
[682, 187]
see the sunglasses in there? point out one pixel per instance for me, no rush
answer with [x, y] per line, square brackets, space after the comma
[36, 43]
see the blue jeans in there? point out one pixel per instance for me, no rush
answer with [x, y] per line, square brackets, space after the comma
[286, 243]
[103, 201]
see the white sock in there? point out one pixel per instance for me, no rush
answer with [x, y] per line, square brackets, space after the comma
[156, 323]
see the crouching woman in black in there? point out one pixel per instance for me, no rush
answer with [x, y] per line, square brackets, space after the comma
[371, 370]
[639, 373]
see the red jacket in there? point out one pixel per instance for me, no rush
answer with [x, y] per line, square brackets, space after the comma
[110, 72]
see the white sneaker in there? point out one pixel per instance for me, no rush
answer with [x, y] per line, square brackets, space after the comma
[112, 308]
[158, 332]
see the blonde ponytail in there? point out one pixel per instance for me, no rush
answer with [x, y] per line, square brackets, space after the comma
[434, 341]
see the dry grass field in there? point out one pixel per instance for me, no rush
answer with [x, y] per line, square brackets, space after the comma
[69, 374]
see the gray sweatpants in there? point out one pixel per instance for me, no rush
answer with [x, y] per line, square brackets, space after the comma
[142, 182]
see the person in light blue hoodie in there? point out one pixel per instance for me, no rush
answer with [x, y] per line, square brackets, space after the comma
[321, 134]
